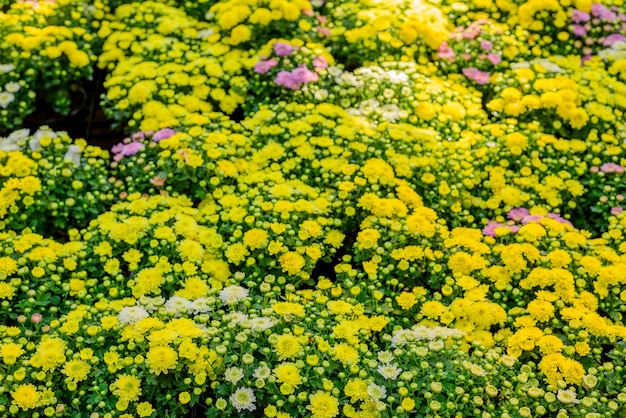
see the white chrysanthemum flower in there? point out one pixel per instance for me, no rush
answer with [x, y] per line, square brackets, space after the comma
[376, 391]
[262, 372]
[233, 375]
[10, 143]
[321, 94]
[236, 317]
[34, 144]
[385, 357]
[5, 68]
[391, 113]
[233, 294]
[389, 94]
[177, 305]
[477, 370]
[12, 87]
[200, 306]
[406, 91]
[334, 71]
[73, 154]
[518, 65]
[132, 314]
[424, 333]
[567, 396]
[369, 106]
[6, 99]
[19, 134]
[243, 399]
[349, 80]
[402, 337]
[45, 132]
[431, 333]
[389, 371]
[90, 10]
[262, 323]
[436, 345]
[508, 361]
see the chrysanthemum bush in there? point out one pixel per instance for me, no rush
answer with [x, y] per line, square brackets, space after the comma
[85, 374]
[365, 31]
[469, 274]
[190, 161]
[372, 159]
[38, 277]
[282, 229]
[577, 28]
[581, 28]
[283, 68]
[50, 182]
[252, 24]
[598, 28]
[177, 68]
[151, 247]
[405, 92]
[46, 50]
[156, 19]
[564, 97]
[526, 167]
[380, 236]
[479, 49]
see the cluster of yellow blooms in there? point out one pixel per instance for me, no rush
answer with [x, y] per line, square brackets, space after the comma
[401, 28]
[565, 94]
[166, 66]
[250, 22]
[57, 55]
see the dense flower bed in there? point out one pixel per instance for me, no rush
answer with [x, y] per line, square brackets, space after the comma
[362, 208]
